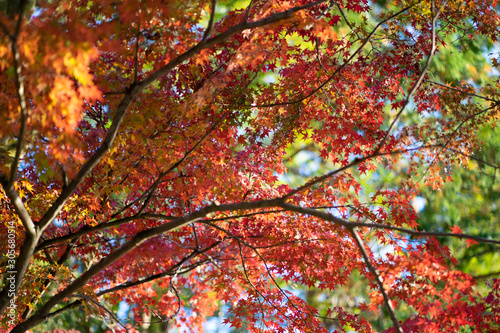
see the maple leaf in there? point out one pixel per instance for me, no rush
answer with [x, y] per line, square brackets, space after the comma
[456, 229]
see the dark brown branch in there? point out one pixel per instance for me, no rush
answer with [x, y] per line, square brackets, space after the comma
[210, 26]
[32, 234]
[196, 216]
[31, 239]
[223, 36]
[48, 281]
[101, 306]
[461, 91]
[462, 123]
[255, 249]
[22, 9]
[355, 162]
[170, 272]
[378, 278]
[150, 191]
[485, 276]
[346, 20]
[135, 89]
[56, 313]
[245, 272]
[23, 107]
[350, 224]
[472, 157]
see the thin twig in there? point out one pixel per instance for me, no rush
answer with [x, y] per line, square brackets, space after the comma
[346, 20]
[255, 287]
[461, 91]
[136, 55]
[23, 108]
[462, 123]
[356, 161]
[87, 229]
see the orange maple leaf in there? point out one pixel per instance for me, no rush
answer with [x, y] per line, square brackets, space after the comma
[470, 241]
[456, 229]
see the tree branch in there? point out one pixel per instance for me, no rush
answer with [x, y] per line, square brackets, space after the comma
[48, 281]
[485, 276]
[350, 224]
[210, 26]
[355, 162]
[133, 91]
[162, 274]
[87, 229]
[378, 278]
[200, 214]
[462, 92]
[221, 37]
[23, 107]
[31, 239]
[338, 69]
[138, 239]
[127, 285]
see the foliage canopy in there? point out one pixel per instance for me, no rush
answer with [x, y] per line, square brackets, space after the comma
[146, 156]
